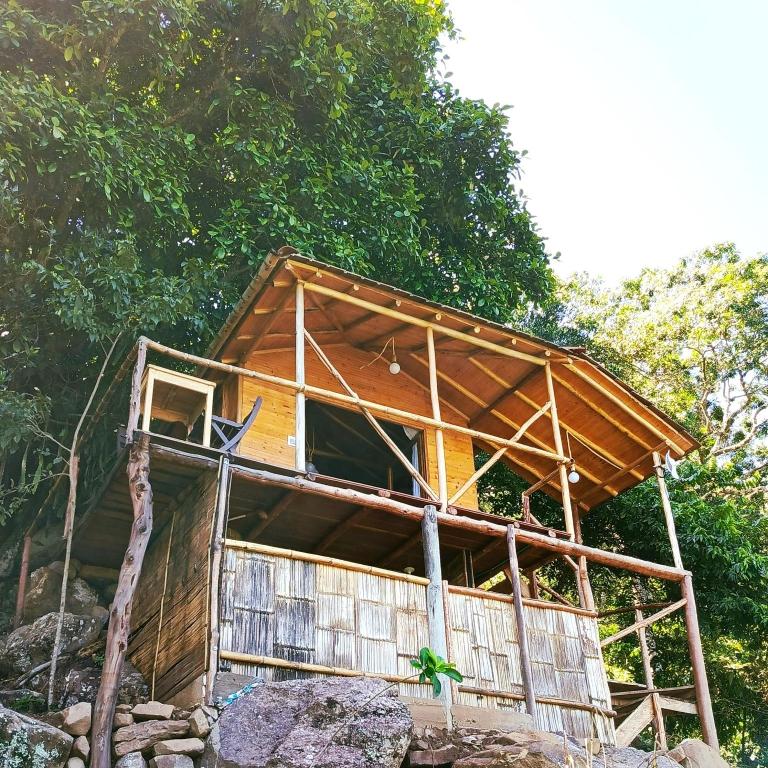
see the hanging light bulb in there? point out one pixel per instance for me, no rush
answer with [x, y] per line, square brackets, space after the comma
[573, 475]
[394, 366]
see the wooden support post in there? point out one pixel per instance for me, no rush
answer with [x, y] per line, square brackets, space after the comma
[522, 633]
[300, 436]
[667, 506]
[558, 438]
[700, 684]
[658, 715]
[23, 579]
[214, 587]
[438, 636]
[442, 481]
[120, 615]
[134, 408]
[582, 574]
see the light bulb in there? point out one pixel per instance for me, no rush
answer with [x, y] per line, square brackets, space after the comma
[394, 367]
[573, 476]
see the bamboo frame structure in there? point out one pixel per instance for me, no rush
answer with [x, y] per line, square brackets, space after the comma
[669, 518]
[300, 431]
[442, 481]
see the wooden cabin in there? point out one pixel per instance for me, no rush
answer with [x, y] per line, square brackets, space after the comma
[314, 492]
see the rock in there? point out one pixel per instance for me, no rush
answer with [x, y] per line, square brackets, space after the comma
[141, 737]
[57, 566]
[152, 710]
[430, 757]
[121, 719]
[31, 743]
[131, 760]
[326, 723]
[23, 700]
[198, 724]
[180, 714]
[171, 761]
[629, 757]
[694, 753]
[81, 683]
[100, 613]
[77, 719]
[212, 712]
[81, 748]
[44, 594]
[31, 645]
[180, 747]
[124, 709]
[75, 762]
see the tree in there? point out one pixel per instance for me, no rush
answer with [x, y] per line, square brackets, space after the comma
[151, 153]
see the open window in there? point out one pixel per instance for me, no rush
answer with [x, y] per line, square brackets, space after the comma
[342, 444]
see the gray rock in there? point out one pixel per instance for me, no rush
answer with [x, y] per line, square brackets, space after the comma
[121, 720]
[77, 718]
[131, 760]
[198, 724]
[75, 762]
[694, 753]
[23, 700]
[179, 747]
[326, 723]
[81, 748]
[141, 737]
[31, 645]
[30, 743]
[152, 710]
[44, 594]
[171, 761]
[81, 683]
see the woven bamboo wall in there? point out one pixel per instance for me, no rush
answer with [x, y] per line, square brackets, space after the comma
[565, 658]
[318, 613]
[182, 635]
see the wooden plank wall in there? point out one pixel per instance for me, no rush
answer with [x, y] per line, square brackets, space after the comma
[319, 614]
[565, 657]
[184, 630]
[267, 440]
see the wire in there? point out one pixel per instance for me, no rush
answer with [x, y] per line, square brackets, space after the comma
[381, 354]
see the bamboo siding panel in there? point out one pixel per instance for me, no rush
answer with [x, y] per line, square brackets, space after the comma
[314, 613]
[565, 658]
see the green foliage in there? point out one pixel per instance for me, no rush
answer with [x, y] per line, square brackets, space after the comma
[430, 666]
[152, 153]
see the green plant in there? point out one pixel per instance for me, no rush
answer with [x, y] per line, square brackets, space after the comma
[430, 666]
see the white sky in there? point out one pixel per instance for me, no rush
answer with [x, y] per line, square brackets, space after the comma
[646, 122]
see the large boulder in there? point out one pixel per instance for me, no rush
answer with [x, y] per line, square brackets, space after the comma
[694, 753]
[30, 743]
[80, 682]
[44, 593]
[32, 644]
[332, 722]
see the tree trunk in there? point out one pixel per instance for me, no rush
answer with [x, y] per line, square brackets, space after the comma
[120, 614]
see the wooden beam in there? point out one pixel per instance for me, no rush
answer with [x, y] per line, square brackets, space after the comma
[654, 617]
[658, 714]
[398, 552]
[120, 613]
[270, 320]
[474, 341]
[371, 419]
[477, 474]
[616, 475]
[700, 683]
[300, 429]
[630, 728]
[272, 515]
[632, 609]
[341, 529]
[669, 518]
[134, 405]
[522, 634]
[442, 481]
[564, 487]
[438, 636]
[669, 704]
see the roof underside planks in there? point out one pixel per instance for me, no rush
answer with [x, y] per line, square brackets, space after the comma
[611, 430]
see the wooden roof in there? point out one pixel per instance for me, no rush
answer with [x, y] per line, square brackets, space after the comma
[611, 429]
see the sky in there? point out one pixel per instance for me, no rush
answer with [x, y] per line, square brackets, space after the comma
[645, 123]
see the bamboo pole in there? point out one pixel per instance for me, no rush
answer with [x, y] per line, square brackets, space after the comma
[356, 402]
[558, 438]
[522, 633]
[300, 428]
[486, 594]
[654, 617]
[120, 614]
[436, 623]
[475, 341]
[701, 686]
[442, 481]
[582, 573]
[658, 715]
[371, 419]
[23, 580]
[667, 506]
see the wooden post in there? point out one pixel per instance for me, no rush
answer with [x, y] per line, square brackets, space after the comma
[214, 589]
[442, 481]
[585, 588]
[134, 408]
[120, 614]
[522, 634]
[558, 438]
[438, 637]
[668, 517]
[300, 429]
[700, 684]
[23, 579]
[658, 715]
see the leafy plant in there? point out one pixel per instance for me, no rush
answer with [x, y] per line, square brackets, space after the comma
[430, 666]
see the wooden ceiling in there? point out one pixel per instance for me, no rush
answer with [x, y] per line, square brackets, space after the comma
[612, 431]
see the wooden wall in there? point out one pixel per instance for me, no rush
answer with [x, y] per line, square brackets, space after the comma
[184, 631]
[267, 440]
[280, 607]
